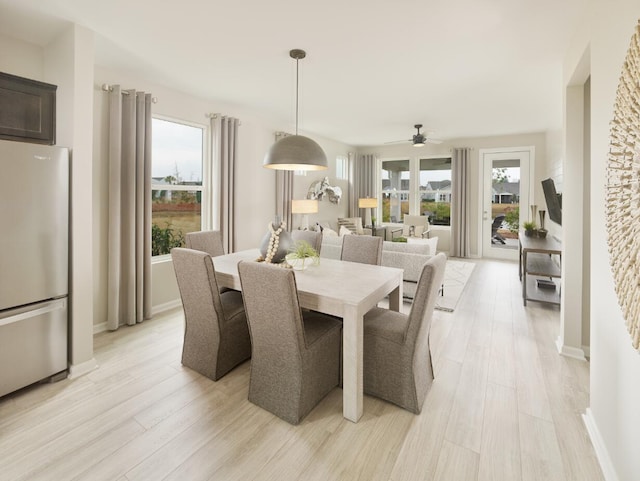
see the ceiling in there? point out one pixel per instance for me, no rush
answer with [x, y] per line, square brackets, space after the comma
[463, 68]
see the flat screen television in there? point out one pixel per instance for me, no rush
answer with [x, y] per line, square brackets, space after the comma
[554, 201]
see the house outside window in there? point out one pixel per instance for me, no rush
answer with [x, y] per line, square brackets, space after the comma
[176, 183]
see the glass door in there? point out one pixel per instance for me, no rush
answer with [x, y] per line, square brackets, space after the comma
[506, 189]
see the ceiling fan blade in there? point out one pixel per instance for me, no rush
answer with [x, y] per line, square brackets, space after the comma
[434, 141]
[398, 141]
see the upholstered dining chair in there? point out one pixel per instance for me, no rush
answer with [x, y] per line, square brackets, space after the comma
[312, 237]
[364, 249]
[207, 241]
[397, 359]
[295, 359]
[216, 334]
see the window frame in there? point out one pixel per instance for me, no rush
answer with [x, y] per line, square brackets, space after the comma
[207, 170]
[414, 180]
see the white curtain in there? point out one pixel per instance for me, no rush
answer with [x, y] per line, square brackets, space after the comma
[460, 202]
[284, 191]
[224, 147]
[362, 182]
[129, 262]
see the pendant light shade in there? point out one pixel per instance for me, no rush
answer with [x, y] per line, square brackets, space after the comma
[296, 152]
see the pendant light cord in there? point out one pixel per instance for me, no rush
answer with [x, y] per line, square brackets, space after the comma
[297, 61]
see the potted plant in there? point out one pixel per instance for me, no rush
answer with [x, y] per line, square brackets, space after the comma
[529, 228]
[302, 255]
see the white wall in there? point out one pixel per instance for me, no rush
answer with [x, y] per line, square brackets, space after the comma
[613, 417]
[21, 58]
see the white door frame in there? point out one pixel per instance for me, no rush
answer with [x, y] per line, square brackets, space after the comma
[487, 156]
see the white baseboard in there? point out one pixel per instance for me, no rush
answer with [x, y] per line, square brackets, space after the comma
[167, 306]
[599, 446]
[155, 310]
[77, 370]
[573, 352]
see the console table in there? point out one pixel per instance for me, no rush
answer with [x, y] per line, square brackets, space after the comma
[536, 262]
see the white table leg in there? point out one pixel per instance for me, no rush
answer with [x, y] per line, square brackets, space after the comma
[395, 298]
[352, 364]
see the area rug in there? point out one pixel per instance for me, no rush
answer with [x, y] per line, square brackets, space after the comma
[456, 275]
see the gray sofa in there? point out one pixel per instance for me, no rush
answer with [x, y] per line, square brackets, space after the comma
[407, 256]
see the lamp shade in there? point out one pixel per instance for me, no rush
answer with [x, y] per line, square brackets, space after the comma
[295, 152]
[367, 202]
[304, 206]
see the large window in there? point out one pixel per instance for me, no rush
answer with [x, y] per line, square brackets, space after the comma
[435, 190]
[176, 183]
[418, 187]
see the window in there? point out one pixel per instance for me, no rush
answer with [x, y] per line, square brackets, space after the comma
[435, 190]
[396, 177]
[342, 167]
[418, 187]
[176, 183]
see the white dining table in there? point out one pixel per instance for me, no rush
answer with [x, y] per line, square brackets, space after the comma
[340, 288]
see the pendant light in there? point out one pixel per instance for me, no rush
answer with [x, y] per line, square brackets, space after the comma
[296, 152]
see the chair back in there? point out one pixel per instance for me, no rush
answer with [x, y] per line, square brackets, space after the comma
[424, 300]
[206, 241]
[364, 249]
[497, 222]
[273, 313]
[199, 292]
[312, 237]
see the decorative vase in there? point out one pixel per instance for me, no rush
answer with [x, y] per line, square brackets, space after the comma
[542, 233]
[529, 233]
[534, 209]
[281, 242]
[542, 213]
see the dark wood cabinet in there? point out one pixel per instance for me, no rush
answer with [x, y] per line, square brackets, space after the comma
[27, 110]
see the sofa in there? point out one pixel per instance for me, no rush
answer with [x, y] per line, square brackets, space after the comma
[410, 257]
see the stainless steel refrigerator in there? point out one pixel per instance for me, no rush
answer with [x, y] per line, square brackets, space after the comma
[34, 259]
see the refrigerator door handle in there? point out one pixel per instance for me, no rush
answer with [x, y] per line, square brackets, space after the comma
[51, 306]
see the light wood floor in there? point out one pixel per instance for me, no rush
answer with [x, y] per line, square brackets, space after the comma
[504, 406]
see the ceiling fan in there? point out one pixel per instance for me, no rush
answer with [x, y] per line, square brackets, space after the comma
[419, 139]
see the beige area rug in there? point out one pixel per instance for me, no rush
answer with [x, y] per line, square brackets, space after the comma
[456, 275]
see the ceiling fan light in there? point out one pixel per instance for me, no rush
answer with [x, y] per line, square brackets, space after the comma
[418, 144]
[295, 152]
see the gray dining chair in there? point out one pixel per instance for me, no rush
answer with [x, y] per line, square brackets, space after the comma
[209, 241]
[312, 237]
[206, 241]
[295, 358]
[364, 249]
[396, 354]
[216, 334]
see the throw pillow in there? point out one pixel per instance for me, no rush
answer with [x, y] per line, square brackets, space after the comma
[344, 231]
[329, 232]
[412, 230]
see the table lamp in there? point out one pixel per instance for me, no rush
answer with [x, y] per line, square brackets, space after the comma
[304, 207]
[367, 203]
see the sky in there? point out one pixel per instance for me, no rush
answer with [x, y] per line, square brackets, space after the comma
[178, 145]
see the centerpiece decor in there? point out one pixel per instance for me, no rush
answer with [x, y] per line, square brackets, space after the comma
[276, 242]
[302, 255]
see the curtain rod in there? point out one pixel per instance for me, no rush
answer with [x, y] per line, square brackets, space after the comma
[109, 88]
[215, 116]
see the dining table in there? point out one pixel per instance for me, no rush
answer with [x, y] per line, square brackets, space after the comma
[339, 288]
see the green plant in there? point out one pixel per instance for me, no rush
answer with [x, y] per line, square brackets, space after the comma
[163, 240]
[512, 219]
[529, 225]
[302, 250]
